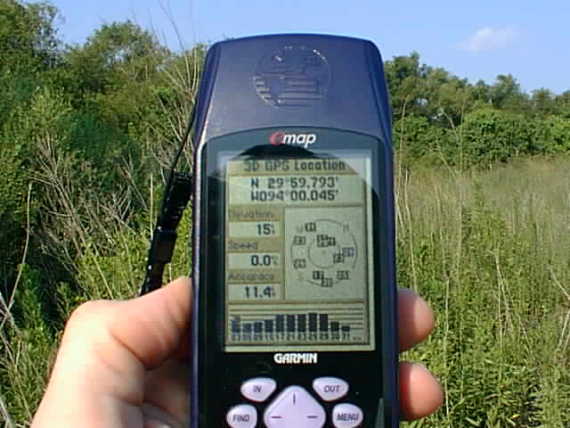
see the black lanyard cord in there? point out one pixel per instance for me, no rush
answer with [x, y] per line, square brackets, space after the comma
[176, 196]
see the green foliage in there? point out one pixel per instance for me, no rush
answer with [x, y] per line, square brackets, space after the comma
[116, 54]
[489, 252]
[554, 135]
[416, 139]
[506, 94]
[543, 102]
[32, 127]
[420, 90]
[562, 105]
[28, 343]
[486, 136]
[28, 39]
[492, 136]
[86, 135]
[439, 118]
[115, 73]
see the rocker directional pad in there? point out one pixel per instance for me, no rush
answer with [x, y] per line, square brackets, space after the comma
[294, 408]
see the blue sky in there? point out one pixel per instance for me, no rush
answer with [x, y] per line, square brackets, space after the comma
[474, 40]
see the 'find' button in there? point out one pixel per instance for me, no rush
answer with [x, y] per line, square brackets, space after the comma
[242, 416]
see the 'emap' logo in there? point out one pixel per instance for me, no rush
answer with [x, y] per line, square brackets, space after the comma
[280, 137]
[296, 358]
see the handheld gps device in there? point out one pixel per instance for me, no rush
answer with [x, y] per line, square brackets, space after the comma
[294, 319]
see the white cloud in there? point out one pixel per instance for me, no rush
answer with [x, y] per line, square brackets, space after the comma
[489, 39]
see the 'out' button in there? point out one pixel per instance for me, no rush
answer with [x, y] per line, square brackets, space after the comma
[330, 388]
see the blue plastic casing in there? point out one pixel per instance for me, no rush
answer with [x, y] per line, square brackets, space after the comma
[296, 81]
[355, 99]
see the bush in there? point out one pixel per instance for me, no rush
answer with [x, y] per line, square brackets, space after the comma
[491, 136]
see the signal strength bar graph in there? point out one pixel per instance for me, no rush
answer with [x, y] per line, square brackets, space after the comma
[332, 326]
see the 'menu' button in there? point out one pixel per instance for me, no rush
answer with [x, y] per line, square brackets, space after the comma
[347, 416]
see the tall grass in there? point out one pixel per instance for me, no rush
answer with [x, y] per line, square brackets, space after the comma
[491, 252]
[95, 242]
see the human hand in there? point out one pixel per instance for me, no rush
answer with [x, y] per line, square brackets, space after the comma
[126, 364]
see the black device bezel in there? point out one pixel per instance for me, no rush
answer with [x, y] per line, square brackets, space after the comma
[372, 375]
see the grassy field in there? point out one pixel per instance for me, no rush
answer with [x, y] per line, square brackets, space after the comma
[489, 250]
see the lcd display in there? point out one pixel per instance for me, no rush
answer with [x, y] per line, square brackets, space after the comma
[298, 264]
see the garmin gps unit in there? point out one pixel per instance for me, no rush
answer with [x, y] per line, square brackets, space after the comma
[294, 317]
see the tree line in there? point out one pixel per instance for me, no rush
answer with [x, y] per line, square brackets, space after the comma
[81, 127]
[87, 134]
[441, 118]
[86, 124]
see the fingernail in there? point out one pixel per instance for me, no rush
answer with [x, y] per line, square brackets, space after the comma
[153, 423]
[421, 366]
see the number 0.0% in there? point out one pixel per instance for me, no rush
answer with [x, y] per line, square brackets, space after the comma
[264, 260]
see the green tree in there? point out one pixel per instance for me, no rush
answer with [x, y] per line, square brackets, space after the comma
[562, 104]
[28, 48]
[113, 70]
[28, 38]
[554, 135]
[418, 140]
[506, 94]
[542, 102]
[403, 75]
[481, 93]
[426, 91]
[448, 97]
[491, 135]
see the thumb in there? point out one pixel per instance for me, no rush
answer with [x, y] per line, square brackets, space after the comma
[106, 349]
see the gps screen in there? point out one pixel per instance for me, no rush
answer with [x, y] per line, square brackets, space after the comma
[298, 253]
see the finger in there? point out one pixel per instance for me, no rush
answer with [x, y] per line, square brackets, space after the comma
[420, 392]
[106, 349]
[153, 327]
[415, 319]
[168, 389]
